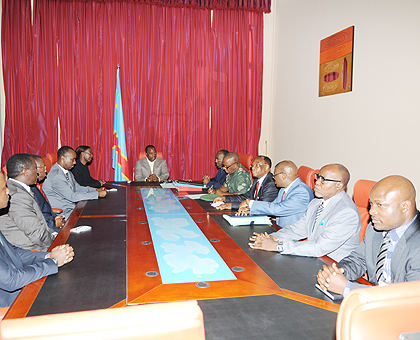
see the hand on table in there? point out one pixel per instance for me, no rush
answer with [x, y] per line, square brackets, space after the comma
[101, 192]
[152, 178]
[59, 221]
[332, 278]
[63, 254]
[219, 199]
[206, 179]
[264, 242]
[225, 206]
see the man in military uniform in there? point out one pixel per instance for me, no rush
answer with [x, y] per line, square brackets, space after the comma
[238, 180]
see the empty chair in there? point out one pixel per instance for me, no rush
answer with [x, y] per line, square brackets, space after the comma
[307, 175]
[361, 192]
[246, 160]
[380, 312]
[173, 320]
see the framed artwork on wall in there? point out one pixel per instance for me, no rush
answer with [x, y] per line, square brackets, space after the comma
[336, 63]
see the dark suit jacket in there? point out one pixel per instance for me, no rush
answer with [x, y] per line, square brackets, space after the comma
[23, 224]
[18, 267]
[46, 209]
[82, 175]
[405, 262]
[267, 192]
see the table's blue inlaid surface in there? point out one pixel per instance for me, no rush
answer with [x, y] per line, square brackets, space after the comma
[183, 252]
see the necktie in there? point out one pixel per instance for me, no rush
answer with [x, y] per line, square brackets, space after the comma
[284, 195]
[256, 190]
[31, 193]
[380, 262]
[318, 213]
[67, 176]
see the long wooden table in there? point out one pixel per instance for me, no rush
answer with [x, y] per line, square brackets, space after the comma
[273, 297]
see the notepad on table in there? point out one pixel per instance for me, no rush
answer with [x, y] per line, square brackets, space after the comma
[246, 220]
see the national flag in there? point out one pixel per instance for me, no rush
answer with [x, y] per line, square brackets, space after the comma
[119, 150]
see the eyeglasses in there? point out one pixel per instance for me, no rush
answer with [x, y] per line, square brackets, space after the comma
[227, 167]
[279, 173]
[323, 179]
[42, 167]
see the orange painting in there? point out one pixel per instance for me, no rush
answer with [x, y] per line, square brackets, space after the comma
[336, 63]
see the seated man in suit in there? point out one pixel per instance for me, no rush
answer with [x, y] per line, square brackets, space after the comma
[151, 169]
[22, 222]
[238, 180]
[61, 189]
[292, 199]
[390, 250]
[55, 222]
[218, 180]
[263, 189]
[331, 224]
[18, 267]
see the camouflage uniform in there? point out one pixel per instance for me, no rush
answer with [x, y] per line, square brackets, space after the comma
[239, 181]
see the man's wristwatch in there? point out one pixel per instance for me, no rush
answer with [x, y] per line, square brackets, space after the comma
[280, 247]
[55, 260]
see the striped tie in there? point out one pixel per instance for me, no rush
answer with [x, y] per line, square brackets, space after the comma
[318, 213]
[382, 257]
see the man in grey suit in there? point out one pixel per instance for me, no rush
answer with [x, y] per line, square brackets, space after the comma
[61, 189]
[18, 267]
[292, 199]
[390, 251]
[22, 222]
[151, 169]
[331, 223]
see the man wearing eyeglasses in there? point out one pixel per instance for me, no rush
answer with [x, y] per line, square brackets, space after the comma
[292, 199]
[331, 223]
[263, 188]
[238, 179]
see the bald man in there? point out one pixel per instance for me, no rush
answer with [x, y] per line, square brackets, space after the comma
[331, 223]
[292, 199]
[390, 251]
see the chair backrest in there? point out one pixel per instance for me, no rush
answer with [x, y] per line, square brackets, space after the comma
[307, 175]
[142, 154]
[174, 320]
[379, 312]
[246, 160]
[48, 163]
[361, 192]
[51, 159]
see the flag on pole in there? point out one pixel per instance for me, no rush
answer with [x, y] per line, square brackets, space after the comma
[119, 150]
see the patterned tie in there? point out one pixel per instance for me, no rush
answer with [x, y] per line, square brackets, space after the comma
[284, 195]
[380, 262]
[318, 212]
[256, 190]
[67, 176]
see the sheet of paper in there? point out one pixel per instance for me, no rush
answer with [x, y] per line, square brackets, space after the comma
[194, 197]
[214, 205]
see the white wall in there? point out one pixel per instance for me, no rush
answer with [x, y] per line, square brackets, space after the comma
[372, 130]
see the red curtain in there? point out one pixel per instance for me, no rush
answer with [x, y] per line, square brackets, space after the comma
[188, 87]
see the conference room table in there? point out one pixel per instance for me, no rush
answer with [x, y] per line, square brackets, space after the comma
[273, 296]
